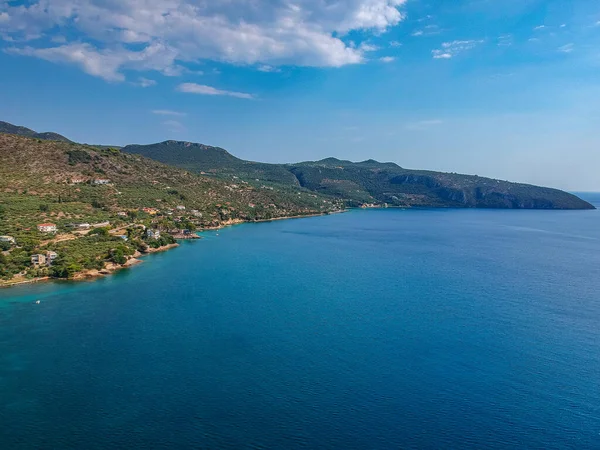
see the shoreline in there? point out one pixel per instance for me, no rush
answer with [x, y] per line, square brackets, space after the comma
[233, 222]
[110, 268]
[91, 274]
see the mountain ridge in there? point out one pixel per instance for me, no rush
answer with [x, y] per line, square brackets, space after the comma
[9, 128]
[369, 181]
[361, 183]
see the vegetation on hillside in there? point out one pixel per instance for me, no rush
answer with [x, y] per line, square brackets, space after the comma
[6, 127]
[209, 160]
[77, 187]
[367, 182]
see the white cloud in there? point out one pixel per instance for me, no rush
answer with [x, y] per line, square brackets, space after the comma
[193, 88]
[168, 112]
[440, 54]
[366, 47]
[505, 40]
[107, 63]
[154, 34]
[568, 48]
[395, 44]
[539, 27]
[267, 68]
[428, 30]
[101, 64]
[451, 49]
[387, 59]
[145, 82]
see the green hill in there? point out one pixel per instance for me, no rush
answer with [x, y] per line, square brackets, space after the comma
[370, 181]
[6, 127]
[367, 182]
[49, 171]
[212, 160]
[43, 181]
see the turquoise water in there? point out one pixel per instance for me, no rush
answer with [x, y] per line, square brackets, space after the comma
[370, 329]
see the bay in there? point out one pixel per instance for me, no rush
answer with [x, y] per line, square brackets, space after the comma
[368, 329]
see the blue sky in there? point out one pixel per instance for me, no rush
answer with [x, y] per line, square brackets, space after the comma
[502, 88]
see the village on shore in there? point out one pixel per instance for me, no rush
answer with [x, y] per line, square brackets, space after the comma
[103, 247]
[132, 233]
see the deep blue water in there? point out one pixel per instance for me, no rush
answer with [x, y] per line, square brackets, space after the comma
[366, 330]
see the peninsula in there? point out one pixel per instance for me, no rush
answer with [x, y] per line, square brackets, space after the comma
[70, 210]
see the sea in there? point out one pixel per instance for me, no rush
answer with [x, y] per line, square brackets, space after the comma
[371, 329]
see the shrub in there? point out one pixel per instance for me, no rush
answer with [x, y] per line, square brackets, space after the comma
[101, 231]
[79, 156]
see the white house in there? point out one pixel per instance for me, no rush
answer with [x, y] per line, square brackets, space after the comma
[152, 234]
[122, 214]
[181, 207]
[102, 224]
[98, 181]
[38, 260]
[51, 257]
[47, 228]
[80, 226]
[9, 239]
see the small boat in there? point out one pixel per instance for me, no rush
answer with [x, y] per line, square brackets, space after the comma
[37, 302]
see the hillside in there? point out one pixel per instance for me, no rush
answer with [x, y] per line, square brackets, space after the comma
[47, 170]
[211, 160]
[6, 127]
[367, 182]
[123, 194]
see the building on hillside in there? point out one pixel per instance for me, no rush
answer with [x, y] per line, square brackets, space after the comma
[181, 207]
[151, 211]
[100, 181]
[122, 214]
[80, 226]
[9, 239]
[196, 213]
[77, 180]
[47, 228]
[38, 260]
[51, 257]
[152, 234]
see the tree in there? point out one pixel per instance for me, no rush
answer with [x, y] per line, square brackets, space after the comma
[102, 231]
[66, 270]
[44, 207]
[118, 257]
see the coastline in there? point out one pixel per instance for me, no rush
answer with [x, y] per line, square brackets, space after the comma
[233, 222]
[90, 274]
[110, 268]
